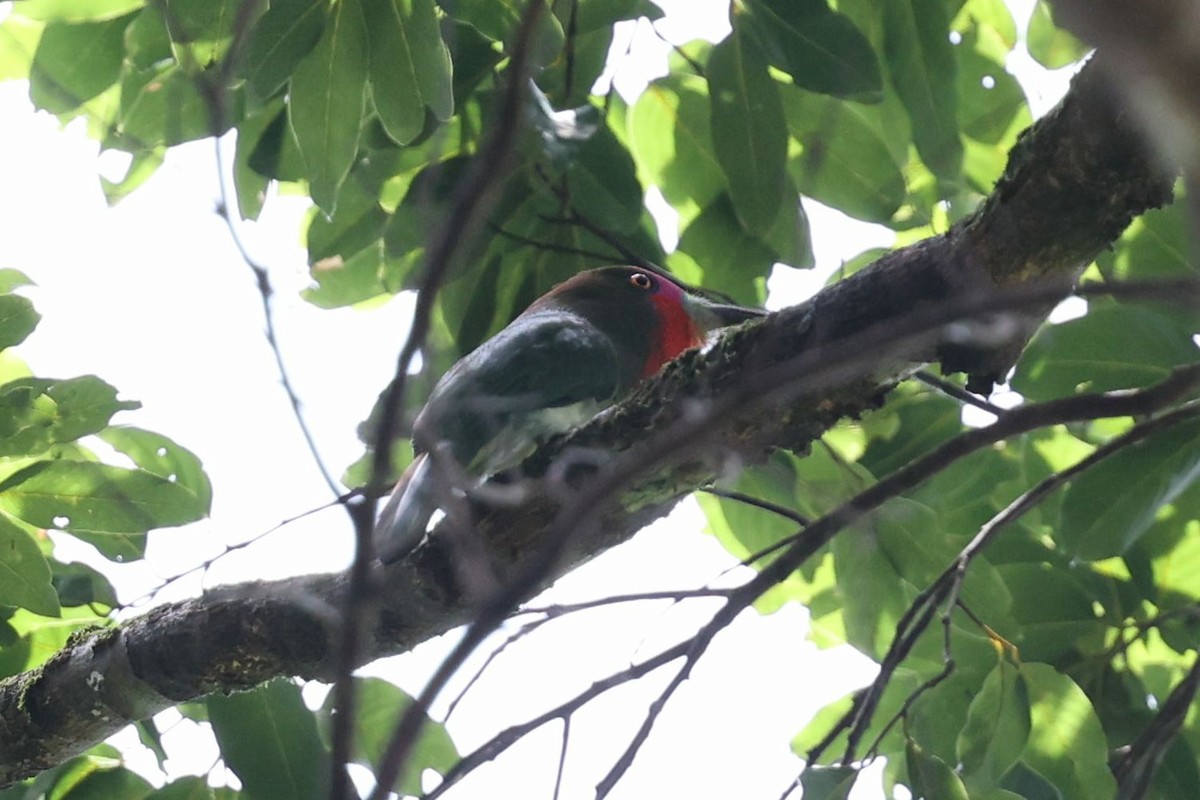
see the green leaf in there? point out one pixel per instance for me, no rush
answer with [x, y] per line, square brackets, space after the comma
[18, 42]
[548, 41]
[141, 167]
[970, 492]
[189, 787]
[36, 414]
[920, 57]
[40, 637]
[75, 10]
[250, 186]
[1052, 608]
[279, 41]
[820, 48]
[1155, 245]
[17, 319]
[275, 154]
[603, 183]
[106, 782]
[845, 161]
[24, 573]
[1110, 506]
[151, 738]
[269, 738]
[571, 79]
[328, 93]
[342, 282]
[357, 223]
[670, 138]
[201, 30]
[910, 425]
[147, 41]
[743, 528]
[992, 105]
[378, 707]
[827, 783]
[1175, 568]
[78, 584]
[75, 62]
[89, 497]
[911, 538]
[1050, 45]
[873, 598]
[997, 729]
[1115, 347]
[164, 457]
[427, 200]
[994, 21]
[1066, 745]
[13, 279]
[409, 66]
[164, 106]
[748, 130]
[733, 260]
[930, 777]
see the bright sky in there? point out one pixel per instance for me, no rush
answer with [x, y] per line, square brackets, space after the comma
[152, 296]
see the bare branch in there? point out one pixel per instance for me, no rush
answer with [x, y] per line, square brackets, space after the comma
[1141, 758]
[758, 502]
[953, 390]
[492, 748]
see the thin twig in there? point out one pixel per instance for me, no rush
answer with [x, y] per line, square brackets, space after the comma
[520, 633]
[948, 666]
[758, 502]
[213, 87]
[957, 392]
[695, 65]
[266, 292]
[207, 563]
[557, 611]
[505, 739]
[552, 247]
[625, 760]
[676, 595]
[562, 755]
[1135, 771]
[573, 217]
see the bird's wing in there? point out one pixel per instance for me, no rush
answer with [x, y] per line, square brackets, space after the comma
[544, 360]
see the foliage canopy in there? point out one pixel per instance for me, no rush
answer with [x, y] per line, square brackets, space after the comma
[1063, 642]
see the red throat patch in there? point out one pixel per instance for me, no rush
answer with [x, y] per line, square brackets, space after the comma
[676, 332]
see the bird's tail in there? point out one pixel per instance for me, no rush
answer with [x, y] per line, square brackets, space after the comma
[401, 524]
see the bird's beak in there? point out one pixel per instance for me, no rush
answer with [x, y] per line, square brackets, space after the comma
[710, 315]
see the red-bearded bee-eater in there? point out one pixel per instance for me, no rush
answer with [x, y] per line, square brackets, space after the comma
[574, 351]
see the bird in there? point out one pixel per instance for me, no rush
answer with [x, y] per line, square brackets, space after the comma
[574, 351]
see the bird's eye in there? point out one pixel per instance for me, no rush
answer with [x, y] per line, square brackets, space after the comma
[641, 280]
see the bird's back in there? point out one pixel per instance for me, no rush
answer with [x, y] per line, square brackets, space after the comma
[547, 372]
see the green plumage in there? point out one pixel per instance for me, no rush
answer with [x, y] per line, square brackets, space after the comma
[573, 352]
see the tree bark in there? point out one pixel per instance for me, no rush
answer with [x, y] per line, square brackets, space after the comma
[968, 299]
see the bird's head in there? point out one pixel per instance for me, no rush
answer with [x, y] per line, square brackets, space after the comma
[649, 318]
